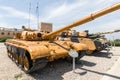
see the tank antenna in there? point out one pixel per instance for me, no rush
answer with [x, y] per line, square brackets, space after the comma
[37, 13]
[29, 15]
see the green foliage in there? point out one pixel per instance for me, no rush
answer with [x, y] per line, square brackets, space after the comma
[18, 76]
[116, 42]
[4, 39]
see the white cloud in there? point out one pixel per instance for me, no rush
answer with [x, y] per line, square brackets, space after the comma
[8, 25]
[2, 24]
[114, 24]
[106, 2]
[67, 13]
[64, 9]
[1, 16]
[101, 1]
[62, 14]
[12, 12]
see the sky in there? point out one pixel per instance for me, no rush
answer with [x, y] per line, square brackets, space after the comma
[15, 13]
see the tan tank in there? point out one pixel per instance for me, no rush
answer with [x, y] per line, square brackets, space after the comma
[97, 44]
[33, 49]
[99, 38]
[79, 37]
[89, 42]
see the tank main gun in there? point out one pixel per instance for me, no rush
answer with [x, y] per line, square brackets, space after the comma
[85, 19]
[101, 34]
[109, 32]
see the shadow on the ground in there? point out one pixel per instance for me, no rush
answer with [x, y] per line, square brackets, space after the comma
[100, 73]
[55, 70]
[87, 63]
[101, 54]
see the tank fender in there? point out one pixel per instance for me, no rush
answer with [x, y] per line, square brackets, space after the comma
[90, 43]
[79, 46]
[38, 51]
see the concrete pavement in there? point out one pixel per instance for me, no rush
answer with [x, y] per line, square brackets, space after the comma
[114, 72]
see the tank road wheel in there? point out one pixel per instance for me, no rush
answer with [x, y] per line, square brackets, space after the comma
[16, 58]
[11, 56]
[20, 61]
[81, 54]
[8, 53]
[12, 53]
[26, 64]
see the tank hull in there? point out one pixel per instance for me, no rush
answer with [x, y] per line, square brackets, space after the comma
[28, 54]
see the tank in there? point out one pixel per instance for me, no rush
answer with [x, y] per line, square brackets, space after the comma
[83, 38]
[99, 38]
[79, 37]
[32, 49]
[94, 42]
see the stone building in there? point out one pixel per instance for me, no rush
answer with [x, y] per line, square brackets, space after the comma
[45, 27]
[8, 32]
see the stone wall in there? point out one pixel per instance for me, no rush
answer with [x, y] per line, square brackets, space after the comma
[8, 32]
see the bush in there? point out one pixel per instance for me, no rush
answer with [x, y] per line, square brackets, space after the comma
[115, 42]
[4, 39]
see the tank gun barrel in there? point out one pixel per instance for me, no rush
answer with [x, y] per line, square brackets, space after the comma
[109, 32]
[117, 30]
[85, 19]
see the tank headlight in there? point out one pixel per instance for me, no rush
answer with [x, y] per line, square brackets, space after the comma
[39, 35]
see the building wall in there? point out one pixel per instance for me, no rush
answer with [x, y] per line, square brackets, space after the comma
[45, 27]
[9, 32]
[5, 32]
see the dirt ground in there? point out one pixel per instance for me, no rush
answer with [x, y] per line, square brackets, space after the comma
[91, 67]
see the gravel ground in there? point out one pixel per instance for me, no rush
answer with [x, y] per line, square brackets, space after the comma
[91, 68]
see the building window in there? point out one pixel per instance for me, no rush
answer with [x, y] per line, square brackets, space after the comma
[8, 33]
[13, 33]
[2, 33]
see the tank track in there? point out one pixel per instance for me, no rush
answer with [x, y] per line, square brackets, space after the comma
[17, 54]
[38, 64]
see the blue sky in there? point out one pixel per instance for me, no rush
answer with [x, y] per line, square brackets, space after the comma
[15, 13]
